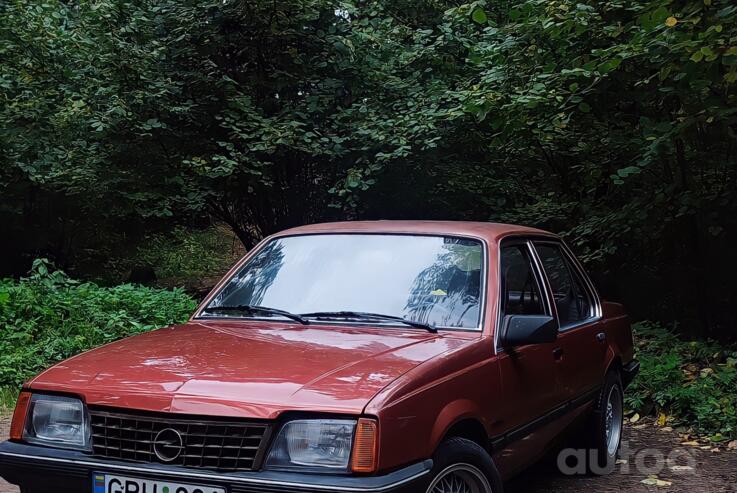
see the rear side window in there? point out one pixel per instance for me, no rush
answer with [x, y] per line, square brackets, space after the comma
[572, 299]
[520, 287]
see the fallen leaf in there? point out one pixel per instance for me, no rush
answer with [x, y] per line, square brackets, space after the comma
[671, 21]
[692, 443]
[732, 445]
[662, 419]
[654, 481]
[635, 418]
[621, 461]
[681, 468]
[666, 428]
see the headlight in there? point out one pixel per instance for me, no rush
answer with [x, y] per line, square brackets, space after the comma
[315, 444]
[57, 421]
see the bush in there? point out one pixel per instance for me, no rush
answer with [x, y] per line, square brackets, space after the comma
[48, 317]
[183, 257]
[693, 384]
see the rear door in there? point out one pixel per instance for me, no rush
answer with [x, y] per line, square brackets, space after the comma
[581, 345]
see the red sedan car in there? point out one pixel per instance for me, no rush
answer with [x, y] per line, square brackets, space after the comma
[349, 357]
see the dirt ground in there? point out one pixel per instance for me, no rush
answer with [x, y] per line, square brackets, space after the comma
[647, 449]
[692, 469]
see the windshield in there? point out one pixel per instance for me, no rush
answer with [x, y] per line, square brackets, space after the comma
[430, 279]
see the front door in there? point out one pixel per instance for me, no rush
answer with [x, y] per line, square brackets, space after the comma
[528, 373]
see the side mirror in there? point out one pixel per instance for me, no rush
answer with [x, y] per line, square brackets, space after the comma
[520, 330]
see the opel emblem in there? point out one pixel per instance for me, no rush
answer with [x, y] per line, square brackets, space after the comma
[168, 445]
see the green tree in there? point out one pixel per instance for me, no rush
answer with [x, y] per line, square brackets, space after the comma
[251, 111]
[610, 122]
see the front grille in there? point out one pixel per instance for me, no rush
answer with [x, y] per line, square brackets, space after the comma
[210, 444]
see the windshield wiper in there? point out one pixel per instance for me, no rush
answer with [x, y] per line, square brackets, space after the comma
[371, 316]
[253, 309]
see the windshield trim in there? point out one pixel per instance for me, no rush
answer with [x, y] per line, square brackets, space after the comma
[199, 313]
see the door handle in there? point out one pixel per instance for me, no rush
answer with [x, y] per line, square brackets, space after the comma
[601, 337]
[558, 353]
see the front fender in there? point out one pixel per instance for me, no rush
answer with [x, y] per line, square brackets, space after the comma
[453, 413]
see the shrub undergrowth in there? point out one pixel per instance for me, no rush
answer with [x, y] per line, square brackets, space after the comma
[181, 257]
[48, 317]
[691, 383]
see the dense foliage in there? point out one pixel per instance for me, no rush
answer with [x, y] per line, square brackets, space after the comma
[611, 122]
[47, 317]
[194, 259]
[688, 384]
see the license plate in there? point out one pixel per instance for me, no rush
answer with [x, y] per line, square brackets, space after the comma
[108, 483]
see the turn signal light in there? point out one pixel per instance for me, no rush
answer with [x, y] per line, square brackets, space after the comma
[365, 447]
[19, 416]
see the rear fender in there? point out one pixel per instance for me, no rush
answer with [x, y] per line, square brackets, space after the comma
[618, 331]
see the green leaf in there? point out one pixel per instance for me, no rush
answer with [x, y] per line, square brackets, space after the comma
[584, 106]
[660, 15]
[352, 181]
[609, 65]
[479, 16]
[629, 170]
[589, 66]
[727, 11]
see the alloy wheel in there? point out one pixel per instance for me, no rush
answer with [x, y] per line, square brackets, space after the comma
[613, 420]
[460, 478]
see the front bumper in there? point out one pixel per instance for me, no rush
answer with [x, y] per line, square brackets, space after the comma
[63, 471]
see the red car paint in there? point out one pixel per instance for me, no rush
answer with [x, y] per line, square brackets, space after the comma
[417, 384]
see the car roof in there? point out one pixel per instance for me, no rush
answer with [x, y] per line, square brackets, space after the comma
[491, 232]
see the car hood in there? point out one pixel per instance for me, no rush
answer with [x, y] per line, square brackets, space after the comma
[246, 368]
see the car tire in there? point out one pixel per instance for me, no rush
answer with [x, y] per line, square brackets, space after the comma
[606, 426]
[460, 461]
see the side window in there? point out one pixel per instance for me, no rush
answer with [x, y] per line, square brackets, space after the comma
[572, 300]
[520, 287]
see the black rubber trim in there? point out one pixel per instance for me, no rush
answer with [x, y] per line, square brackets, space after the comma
[629, 372]
[501, 441]
[66, 471]
[585, 397]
